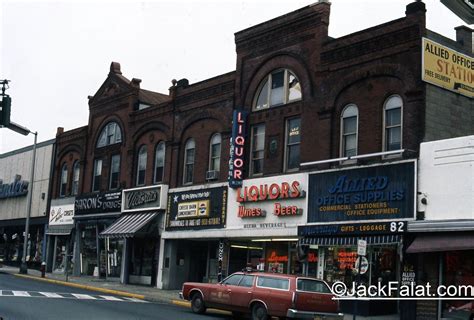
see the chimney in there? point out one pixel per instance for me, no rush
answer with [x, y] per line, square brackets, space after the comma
[135, 83]
[415, 7]
[115, 68]
[59, 131]
[464, 37]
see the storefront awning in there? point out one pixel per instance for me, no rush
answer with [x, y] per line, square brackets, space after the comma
[60, 230]
[128, 224]
[441, 242]
[352, 241]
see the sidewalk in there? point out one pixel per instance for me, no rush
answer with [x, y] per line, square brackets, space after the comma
[111, 286]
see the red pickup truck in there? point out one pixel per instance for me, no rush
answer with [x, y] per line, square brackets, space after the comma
[264, 295]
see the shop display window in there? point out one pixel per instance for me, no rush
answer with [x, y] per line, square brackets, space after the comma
[339, 265]
[458, 271]
[276, 257]
[142, 257]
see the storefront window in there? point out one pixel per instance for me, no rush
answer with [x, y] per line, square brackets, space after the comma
[88, 250]
[60, 254]
[142, 257]
[114, 256]
[277, 257]
[458, 271]
[340, 262]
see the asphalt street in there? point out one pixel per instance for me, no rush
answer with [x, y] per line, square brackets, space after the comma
[25, 299]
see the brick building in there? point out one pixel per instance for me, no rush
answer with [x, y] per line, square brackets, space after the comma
[310, 104]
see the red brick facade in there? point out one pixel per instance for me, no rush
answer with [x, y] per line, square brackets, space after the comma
[363, 68]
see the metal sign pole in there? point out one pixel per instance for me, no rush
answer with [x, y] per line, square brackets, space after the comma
[24, 266]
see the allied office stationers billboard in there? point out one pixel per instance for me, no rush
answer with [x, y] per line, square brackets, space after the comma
[447, 68]
[367, 193]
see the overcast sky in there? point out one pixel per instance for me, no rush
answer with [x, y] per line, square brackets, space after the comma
[58, 53]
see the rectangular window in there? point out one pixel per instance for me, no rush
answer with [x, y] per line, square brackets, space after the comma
[349, 137]
[189, 166]
[62, 191]
[277, 94]
[215, 157]
[258, 149]
[114, 172]
[312, 286]
[97, 175]
[393, 129]
[75, 179]
[274, 283]
[293, 140]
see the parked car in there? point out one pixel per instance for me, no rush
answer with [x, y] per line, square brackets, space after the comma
[264, 295]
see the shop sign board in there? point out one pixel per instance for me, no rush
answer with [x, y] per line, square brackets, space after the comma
[268, 203]
[237, 145]
[104, 202]
[382, 192]
[17, 188]
[197, 209]
[353, 229]
[447, 68]
[147, 198]
[61, 213]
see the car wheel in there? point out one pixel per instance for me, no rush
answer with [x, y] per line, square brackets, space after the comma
[197, 303]
[259, 312]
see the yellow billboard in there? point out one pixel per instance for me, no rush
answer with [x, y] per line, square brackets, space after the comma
[447, 68]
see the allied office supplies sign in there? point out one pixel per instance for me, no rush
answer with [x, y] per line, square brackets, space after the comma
[447, 68]
[384, 192]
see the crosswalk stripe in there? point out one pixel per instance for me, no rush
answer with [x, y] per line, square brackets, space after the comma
[134, 299]
[51, 295]
[111, 298]
[83, 296]
[21, 294]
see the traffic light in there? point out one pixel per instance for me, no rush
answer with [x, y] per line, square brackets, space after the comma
[5, 111]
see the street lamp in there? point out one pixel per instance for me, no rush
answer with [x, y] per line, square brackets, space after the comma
[25, 131]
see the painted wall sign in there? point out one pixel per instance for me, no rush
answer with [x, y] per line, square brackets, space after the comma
[147, 198]
[447, 68]
[17, 188]
[369, 193]
[98, 203]
[61, 214]
[237, 148]
[197, 209]
[385, 227]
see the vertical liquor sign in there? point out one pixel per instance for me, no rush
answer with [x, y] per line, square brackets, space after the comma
[237, 144]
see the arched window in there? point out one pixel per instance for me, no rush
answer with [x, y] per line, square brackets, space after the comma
[393, 123]
[110, 134]
[215, 153]
[63, 186]
[159, 162]
[349, 128]
[189, 155]
[279, 87]
[76, 170]
[141, 166]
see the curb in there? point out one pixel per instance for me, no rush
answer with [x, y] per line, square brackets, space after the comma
[82, 286]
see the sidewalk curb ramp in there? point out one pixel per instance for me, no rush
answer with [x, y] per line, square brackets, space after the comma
[82, 286]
